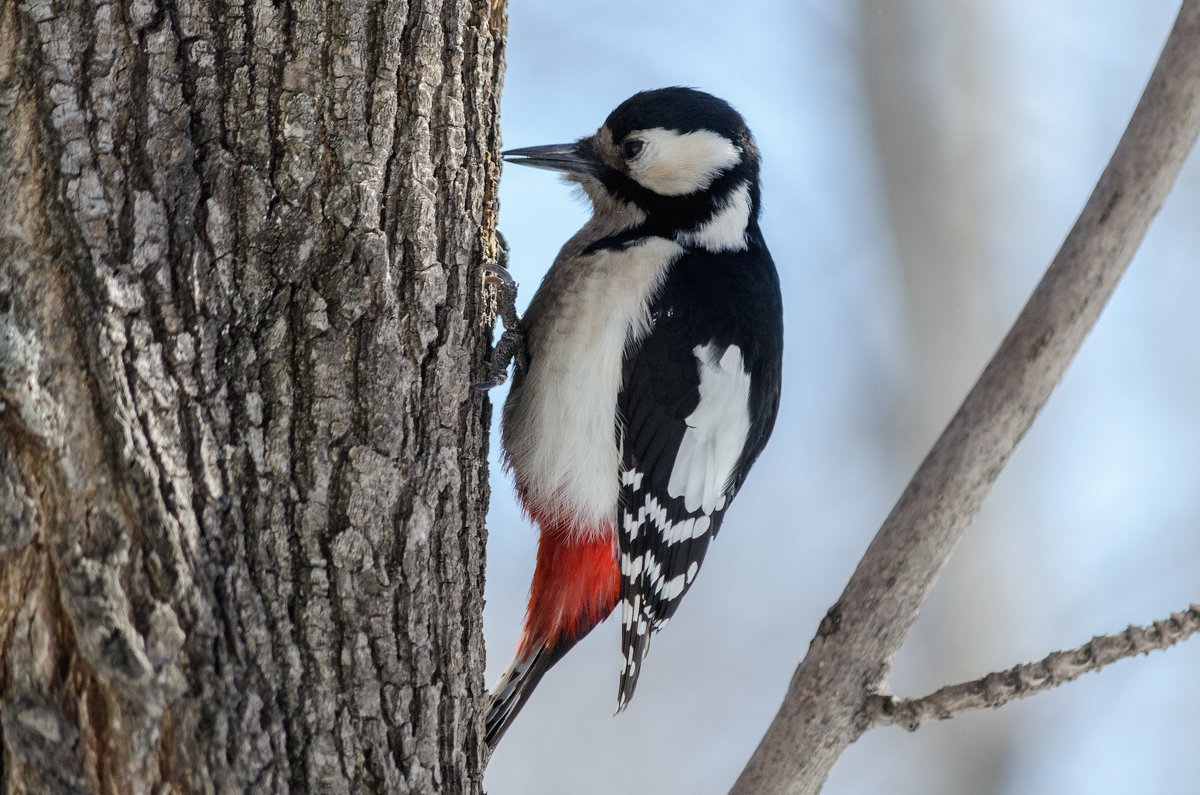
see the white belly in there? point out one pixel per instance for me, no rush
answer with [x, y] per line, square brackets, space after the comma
[560, 431]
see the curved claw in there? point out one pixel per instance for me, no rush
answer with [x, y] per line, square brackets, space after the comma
[511, 346]
[491, 383]
[496, 274]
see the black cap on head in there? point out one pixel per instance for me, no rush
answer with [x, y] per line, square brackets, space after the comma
[676, 108]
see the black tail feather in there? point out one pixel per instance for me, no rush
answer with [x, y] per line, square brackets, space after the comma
[516, 685]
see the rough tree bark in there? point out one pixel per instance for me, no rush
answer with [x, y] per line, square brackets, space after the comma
[242, 471]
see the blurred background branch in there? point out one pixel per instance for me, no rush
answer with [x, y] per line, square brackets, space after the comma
[1000, 687]
[850, 657]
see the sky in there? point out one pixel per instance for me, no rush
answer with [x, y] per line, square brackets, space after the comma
[1095, 523]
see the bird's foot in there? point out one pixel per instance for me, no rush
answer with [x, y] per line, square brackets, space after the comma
[511, 346]
[496, 274]
[512, 342]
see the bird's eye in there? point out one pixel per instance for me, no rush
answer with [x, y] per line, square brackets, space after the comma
[631, 148]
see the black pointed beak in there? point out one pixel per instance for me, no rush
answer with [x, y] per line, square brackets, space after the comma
[574, 158]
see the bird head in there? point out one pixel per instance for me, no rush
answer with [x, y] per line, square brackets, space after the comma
[676, 154]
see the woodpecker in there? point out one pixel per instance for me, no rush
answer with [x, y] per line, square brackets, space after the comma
[647, 378]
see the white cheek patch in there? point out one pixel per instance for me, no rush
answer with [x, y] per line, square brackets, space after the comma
[726, 230]
[676, 164]
[716, 433]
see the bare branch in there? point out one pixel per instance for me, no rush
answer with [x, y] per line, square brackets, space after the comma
[852, 652]
[1000, 687]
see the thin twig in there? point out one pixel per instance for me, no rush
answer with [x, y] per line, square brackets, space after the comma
[1060, 667]
[851, 655]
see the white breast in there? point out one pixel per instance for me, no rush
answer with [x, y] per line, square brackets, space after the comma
[561, 430]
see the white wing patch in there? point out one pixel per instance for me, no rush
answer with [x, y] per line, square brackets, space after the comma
[716, 432]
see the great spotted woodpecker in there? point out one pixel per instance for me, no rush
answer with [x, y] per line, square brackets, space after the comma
[648, 380]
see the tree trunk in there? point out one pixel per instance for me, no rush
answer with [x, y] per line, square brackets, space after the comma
[242, 470]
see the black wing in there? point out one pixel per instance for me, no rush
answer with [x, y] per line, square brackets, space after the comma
[698, 401]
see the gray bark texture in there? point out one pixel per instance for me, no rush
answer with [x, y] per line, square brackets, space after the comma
[242, 470]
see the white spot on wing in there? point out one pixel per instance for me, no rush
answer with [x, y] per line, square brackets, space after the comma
[716, 433]
[631, 525]
[626, 613]
[671, 589]
[678, 531]
[654, 573]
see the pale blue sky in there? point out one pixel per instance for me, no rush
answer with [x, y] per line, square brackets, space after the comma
[1096, 523]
